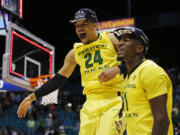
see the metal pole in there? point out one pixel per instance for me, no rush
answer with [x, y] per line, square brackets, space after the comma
[128, 8]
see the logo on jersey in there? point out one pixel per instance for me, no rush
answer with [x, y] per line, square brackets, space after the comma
[130, 86]
[134, 77]
[118, 126]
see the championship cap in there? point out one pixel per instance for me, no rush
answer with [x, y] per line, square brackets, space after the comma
[84, 13]
[132, 30]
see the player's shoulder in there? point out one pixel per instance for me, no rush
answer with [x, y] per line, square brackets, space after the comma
[71, 56]
[71, 53]
[153, 73]
[151, 64]
[77, 45]
[149, 67]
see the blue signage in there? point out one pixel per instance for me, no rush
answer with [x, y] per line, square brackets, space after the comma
[9, 87]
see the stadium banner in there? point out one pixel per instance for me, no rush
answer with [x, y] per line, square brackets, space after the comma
[110, 25]
[8, 87]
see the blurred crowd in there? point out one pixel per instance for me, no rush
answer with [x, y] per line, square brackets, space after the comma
[63, 118]
[54, 119]
[174, 74]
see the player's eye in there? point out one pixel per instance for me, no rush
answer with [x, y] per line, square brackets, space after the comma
[126, 39]
[81, 25]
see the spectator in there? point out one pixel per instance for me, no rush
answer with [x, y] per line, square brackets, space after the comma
[77, 126]
[68, 124]
[61, 130]
[49, 120]
[14, 131]
[3, 130]
[47, 131]
[18, 98]
[21, 133]
[52, 108]
[57, 121]
[40, 123]
[31, 126]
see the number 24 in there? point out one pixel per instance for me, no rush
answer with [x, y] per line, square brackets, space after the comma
[97, 58]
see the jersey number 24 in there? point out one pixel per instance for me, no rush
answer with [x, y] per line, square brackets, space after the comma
[97, 59]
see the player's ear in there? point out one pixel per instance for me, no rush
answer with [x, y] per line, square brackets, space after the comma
[140, 49]
[95, 24]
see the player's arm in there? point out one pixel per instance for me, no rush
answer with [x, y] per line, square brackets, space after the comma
[156, 85]
[110, 73]
[69, 65]
[57, 81]
[159, 111]
[114, 41]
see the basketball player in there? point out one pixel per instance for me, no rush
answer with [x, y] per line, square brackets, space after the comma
[147, 87]
[95, 53]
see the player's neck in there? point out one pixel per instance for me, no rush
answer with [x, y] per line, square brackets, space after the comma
[94, 38]
[133, 63]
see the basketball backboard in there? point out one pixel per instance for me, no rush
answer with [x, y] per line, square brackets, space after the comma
[26, 56]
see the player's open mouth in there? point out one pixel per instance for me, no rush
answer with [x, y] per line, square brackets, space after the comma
[82, 35]
[121, 51]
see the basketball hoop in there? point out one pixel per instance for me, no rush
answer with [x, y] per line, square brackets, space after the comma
[42, 79]
[37, 82]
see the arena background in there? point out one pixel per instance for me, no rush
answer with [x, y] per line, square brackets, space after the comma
[50, 21]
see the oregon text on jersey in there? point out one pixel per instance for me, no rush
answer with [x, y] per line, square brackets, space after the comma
[91, 48]
[96, 69]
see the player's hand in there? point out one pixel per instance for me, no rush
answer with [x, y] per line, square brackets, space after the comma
[41, 82]
[25, 104]
[108, 74]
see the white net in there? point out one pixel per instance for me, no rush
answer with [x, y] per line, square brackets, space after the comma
[51, 98]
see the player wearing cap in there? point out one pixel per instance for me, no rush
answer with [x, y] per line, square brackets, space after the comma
[147, 87]
[95, 53]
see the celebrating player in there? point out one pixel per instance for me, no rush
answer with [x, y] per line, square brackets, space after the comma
[147, 87]
[95, 53]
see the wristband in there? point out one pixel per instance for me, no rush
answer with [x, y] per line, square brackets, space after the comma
[51, 85]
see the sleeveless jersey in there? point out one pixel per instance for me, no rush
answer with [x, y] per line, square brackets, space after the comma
[93, 58]
[145, 82]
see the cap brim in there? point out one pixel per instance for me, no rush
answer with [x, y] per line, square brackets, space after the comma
[75, 20]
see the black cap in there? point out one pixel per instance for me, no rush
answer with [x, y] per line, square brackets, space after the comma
[132, 30]
[85, 13]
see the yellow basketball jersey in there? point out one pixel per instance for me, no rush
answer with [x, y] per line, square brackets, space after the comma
[145, 82]
[93, 58]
